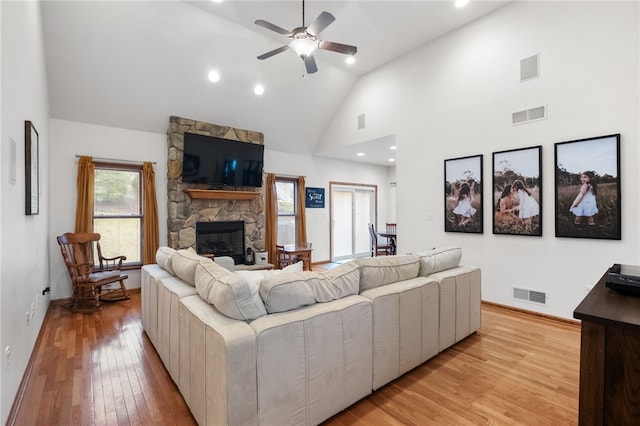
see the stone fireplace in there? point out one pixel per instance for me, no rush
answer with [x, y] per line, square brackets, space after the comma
[225, 238]
[186, 212]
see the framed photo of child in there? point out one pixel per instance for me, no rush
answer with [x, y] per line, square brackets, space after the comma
[517, 191]
[587, 191]
[463, 194]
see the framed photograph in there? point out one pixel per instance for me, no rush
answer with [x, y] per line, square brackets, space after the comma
[517, 191]
[587, 193]
[463, 194]
[31, 169]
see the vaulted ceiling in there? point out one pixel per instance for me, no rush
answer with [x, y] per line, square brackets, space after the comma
[132, 64]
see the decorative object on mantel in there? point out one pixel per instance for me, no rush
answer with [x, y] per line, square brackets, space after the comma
[304, 41]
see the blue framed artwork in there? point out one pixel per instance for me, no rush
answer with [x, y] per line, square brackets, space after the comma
[314, 198]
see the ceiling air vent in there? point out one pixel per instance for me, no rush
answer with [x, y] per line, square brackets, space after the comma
[530, 295]
[529, 115]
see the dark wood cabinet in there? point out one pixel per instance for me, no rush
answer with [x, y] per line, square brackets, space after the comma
[609, 357]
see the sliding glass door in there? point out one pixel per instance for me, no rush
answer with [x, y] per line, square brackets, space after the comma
[353, 207]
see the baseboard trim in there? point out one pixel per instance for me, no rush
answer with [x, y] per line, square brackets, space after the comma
[547, 317]
[17, 402]
[68, 299]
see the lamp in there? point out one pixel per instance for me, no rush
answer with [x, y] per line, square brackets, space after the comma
[303, 46]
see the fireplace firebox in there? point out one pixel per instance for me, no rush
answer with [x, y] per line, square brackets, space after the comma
[221, 239]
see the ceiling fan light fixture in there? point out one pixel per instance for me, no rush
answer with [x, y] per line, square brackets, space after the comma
[303, 46]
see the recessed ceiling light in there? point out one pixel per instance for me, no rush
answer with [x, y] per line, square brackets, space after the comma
[392, 160]
[461, 3]
[392, 147]
[360, 154]
[217, 1]
[214, 76]
[350, 60]
[259, 89]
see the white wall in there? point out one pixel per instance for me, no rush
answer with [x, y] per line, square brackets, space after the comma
[69, 139]
[454, 98]
[24, 254]
[318, 173]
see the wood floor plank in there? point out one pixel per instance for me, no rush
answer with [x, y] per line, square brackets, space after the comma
[101, 369]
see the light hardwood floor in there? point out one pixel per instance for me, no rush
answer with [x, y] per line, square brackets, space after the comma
[101, 369]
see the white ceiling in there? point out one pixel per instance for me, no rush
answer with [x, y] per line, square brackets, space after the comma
[133, 64]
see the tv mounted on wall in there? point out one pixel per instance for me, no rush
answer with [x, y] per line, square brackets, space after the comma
[221, 162]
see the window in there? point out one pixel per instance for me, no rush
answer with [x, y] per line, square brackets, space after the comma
[286, 191]
[117, 210]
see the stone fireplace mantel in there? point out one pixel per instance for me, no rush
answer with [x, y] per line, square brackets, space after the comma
[189, 203]
[216, 194]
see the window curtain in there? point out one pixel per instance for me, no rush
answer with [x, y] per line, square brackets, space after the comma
[84, 201]
[271, 217]
[150, 233]
[301, 220]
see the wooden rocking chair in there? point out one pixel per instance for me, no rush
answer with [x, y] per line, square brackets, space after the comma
[88, 279]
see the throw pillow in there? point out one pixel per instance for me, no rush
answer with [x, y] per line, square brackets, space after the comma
[163, 258]
[383, 270]
[184, 264]
[439, 259]
[230, 292]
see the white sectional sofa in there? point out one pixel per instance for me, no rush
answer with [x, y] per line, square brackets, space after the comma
[285, 348]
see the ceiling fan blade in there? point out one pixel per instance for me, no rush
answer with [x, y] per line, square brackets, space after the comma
[337, 47]
[273, 52]
[310, 64]
[272, 27]
[322, 21]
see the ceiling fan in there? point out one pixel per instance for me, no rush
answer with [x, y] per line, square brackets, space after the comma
[304, 40]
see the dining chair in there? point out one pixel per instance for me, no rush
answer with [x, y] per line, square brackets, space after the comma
[284, 259]
[391, 228]
[378, 249]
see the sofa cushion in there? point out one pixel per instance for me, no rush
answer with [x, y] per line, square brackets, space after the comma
[287, 291]
[383, 270]
[439, 259]
[163, 258]
[229, 292]
[184, 264]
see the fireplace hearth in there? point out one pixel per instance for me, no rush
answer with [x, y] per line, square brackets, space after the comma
[224, 238]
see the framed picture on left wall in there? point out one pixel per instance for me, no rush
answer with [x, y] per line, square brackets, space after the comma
[463, 194]
[31, 169]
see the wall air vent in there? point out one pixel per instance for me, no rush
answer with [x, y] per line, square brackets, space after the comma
[529, 115]
[530, 295]
[529, 68]
[361, 122]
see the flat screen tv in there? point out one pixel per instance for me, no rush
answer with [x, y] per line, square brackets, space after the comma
[221, 162]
